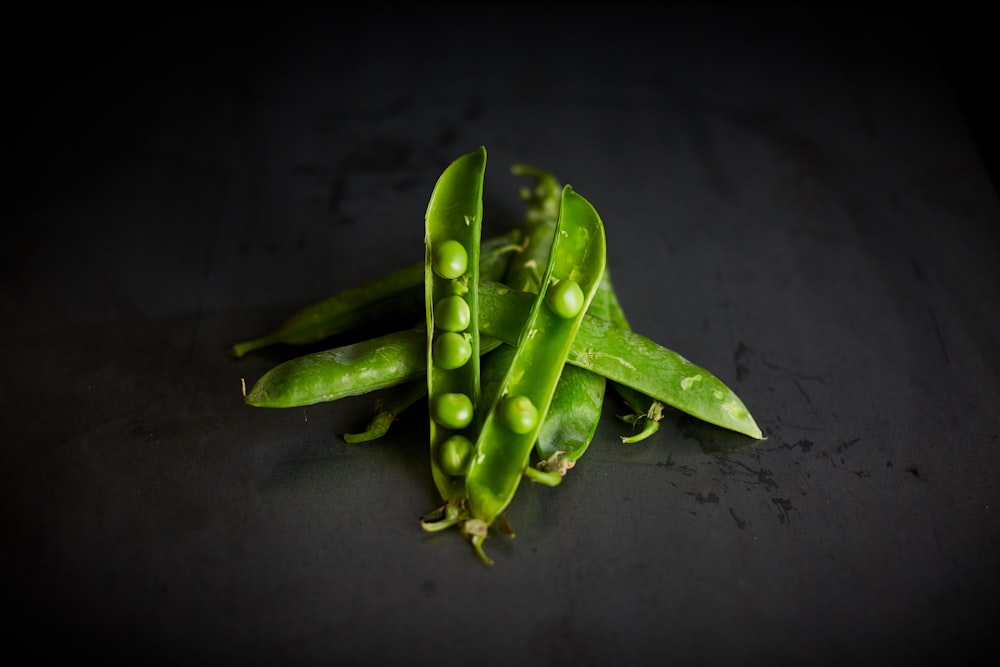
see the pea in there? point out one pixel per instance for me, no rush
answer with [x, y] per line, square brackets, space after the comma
[452, 313]
[519, 414]
[565, 298]
[451, 350]
[455, 453]
[451, 410]
[450, 259]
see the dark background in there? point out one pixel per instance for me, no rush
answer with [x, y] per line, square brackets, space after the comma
[802, 201]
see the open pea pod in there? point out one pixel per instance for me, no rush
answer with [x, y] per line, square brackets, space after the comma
[509, 431]
[453, 226]
[578, 400]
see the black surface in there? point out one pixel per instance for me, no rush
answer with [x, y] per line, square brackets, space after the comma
[800, 202]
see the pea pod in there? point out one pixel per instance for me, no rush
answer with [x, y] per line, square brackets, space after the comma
[628, 358]
[453, 225]
[578, 401]
[355, 369]
[510, 429]
[394, 297]
[620, 355]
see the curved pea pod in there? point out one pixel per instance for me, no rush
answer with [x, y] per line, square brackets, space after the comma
[628, 358]
[453, 225]
[376, 301]
[393, 297]
[383, 362]
[510, 429]
[622, 356]
[578, 400]
[349, 370]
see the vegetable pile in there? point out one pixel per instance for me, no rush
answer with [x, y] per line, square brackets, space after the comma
[521, 336]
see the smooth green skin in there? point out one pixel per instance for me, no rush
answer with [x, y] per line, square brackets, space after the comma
[378, 300]
[576, 407]
[349, 370]
[383, 300]
[454, 217]
[578, 253]
[617, 354]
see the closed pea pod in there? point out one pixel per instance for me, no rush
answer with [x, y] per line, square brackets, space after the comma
[453, 225]
[620, 355]
[510, 428]
[628, 358]
[394, 297]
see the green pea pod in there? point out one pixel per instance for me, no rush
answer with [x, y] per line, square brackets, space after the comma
[576, 409]
[394, 297]
[376, 301]
[628, 358]
[453, 225]
[578, 400]
[620, 355]
[510, 429]
[350, 370]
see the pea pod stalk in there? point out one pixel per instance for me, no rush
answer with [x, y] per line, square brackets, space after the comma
[646, 412]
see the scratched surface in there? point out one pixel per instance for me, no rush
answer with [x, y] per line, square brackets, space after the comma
[798, 207]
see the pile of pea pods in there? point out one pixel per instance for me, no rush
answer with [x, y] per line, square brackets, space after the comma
[517, 339]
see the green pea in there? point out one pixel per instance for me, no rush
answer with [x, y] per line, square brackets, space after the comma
[450, 259]
[452, 350]
[452, 313]
[519, 414]
[455, 453]
[452, 410]
[565, 298]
